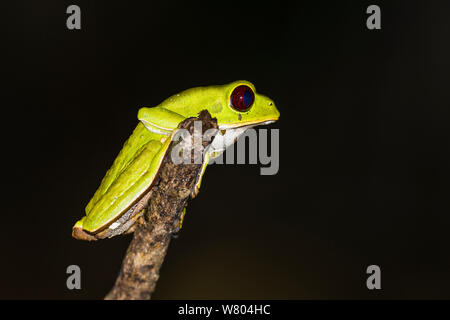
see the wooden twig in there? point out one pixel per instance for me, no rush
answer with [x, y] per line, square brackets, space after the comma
[140, 268]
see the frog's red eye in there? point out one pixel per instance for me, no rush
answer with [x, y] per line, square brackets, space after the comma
[242, 98]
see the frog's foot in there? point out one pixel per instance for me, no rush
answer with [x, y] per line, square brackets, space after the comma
[139, 221]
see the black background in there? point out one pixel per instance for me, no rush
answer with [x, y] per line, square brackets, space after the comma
[364, 145]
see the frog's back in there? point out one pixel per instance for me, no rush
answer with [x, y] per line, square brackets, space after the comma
[190, 102]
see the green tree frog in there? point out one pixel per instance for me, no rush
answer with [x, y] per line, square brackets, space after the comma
[124, 191]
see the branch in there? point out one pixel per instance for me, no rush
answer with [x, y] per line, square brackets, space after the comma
[140, 268]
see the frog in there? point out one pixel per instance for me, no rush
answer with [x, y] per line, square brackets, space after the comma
[125, 191]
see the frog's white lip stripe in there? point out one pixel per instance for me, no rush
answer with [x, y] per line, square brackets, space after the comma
[155, 128]
[245, 124]
[165, 131]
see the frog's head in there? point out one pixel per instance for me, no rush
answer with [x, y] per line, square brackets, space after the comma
[238, 104]
[234, 105]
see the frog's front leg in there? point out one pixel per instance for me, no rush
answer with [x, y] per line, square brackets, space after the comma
[160, 120]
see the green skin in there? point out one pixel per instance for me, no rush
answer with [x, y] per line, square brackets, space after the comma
[135, 168]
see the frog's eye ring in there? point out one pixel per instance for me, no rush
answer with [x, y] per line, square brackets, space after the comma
[242, 98]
